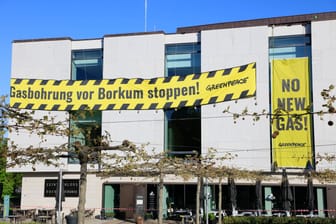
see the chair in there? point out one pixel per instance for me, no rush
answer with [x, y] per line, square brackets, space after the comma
[89, 212]
[45, 215]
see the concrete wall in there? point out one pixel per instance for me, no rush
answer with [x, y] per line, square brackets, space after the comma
[49, 59]
[249, 140]
[140, 56]
[33, 194]
[46, 59]
[323, 69]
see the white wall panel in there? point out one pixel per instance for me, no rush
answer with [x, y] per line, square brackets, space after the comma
[135, 56]
[33, 191]
[249, 140]
[49, 59]
[323, 74]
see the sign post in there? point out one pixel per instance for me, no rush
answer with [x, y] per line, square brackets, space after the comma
[6, 206]
[59, 197]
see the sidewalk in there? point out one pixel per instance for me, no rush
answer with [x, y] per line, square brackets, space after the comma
[90, 220]
[93, 220]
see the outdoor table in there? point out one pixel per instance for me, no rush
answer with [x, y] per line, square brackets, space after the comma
[44, 215]
[186, 219]
[13, 218]
[44, 218]
[185, 215]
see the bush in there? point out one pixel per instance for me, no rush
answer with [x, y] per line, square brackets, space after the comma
[148, 215]
[211, 216]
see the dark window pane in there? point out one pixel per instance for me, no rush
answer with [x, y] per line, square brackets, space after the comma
[287, 41]
[183, 125]
[87, 65]
[85, 126]
[289, 47]
[194, 48]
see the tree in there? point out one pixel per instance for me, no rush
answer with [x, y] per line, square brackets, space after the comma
[15, 120]
[161, 164]
[86, 154]
[328, 107]
[149, 164]
[9, 181]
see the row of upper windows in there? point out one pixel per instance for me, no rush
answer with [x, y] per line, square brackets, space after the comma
[182, 59]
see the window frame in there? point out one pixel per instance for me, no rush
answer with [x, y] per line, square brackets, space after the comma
[96, 117]
[182, 50]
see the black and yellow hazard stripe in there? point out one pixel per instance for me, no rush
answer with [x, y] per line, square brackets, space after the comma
[135, 94]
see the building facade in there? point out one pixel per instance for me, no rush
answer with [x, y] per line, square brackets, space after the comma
[271, 44]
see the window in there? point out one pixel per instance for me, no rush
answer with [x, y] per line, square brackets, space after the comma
[87, 65]
[85, 126]
[183, 59]
[183, 125]
[289, 47]
[71, 187]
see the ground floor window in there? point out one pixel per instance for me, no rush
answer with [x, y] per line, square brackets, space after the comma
[120, 200]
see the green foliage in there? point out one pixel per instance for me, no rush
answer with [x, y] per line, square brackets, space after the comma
[9, 180]
[212, 216]
[109, 215]
[148, 215]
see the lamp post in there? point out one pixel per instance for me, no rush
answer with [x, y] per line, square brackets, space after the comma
[59, 197]
[206, 201]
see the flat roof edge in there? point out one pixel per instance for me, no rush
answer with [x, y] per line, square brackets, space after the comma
[42, 39]
[71, 39]
[134, 34]
[304, 18]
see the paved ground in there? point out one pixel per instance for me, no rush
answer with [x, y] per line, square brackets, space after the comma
[106, 221]
[90, 220]
[93, 220]
[117, 221]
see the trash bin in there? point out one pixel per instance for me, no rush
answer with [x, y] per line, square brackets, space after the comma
[71, 219]
[102, 214]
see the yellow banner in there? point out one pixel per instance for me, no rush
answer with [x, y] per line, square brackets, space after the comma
[291, 142]
[135, 94]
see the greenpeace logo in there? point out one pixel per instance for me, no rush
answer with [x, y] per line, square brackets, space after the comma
[292, 144]
[227, 84]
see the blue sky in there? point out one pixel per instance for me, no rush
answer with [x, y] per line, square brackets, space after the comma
[81, 19]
